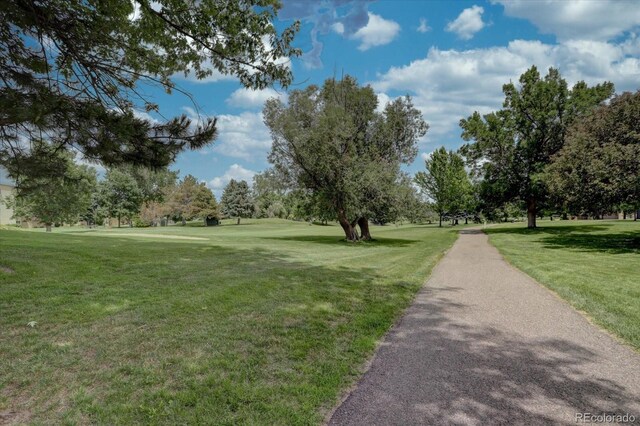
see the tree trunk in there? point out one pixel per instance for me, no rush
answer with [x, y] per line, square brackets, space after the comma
[466, 220]
[440, 225]
[184, 221]
[238, 222]
[47, 227]
[531, 213]
[363, 223]
[349, 230]
[118, 221]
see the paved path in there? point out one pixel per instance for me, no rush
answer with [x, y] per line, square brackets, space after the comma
[485, 344]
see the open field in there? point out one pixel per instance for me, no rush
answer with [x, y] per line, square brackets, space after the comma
[595, 265]
[265, 322]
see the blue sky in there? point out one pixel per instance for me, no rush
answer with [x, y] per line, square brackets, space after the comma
[451, 56]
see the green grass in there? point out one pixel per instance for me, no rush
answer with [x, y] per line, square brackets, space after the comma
[594, 265]
[262, 323]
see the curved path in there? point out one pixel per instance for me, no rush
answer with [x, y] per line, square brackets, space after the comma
[485, 344]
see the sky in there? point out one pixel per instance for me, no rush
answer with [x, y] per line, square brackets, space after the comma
[452, 57]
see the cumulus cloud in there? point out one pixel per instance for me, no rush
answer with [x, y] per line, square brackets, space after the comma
[247, 98]
[448, 85]
[377, 32]
[235, 171]
[577, 19]
[423, 27]
[426, 155]
[242, 136]
[468, 23]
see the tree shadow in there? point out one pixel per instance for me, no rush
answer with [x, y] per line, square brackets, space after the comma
[218, 311]
[551, 230]
[477, 375]
[333, 240]
[581, 238]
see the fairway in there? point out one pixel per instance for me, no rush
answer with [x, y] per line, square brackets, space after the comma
[594, 265]
[266, 322]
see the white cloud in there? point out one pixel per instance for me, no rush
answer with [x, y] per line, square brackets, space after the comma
[247, 98]
[338, 27]
[383, 100]
[242, 136]
[577, 19]
[235, 171]
[426, 155]
[468, 23]
[377, 32]
[423, 28]
[449, 85]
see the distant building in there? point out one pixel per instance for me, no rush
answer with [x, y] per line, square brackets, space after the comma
[7, 188]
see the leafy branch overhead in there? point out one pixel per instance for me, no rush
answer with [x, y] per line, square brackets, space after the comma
[76, 72]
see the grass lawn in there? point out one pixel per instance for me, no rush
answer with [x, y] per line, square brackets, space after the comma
[261, 323]
[595, 265]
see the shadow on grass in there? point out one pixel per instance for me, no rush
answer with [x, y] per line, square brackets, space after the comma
[334, 240]
[581, 237]
[217, 311]
[436, 369]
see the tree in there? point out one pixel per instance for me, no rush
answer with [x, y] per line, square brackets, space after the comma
[598, 169]
[120, 195]
[331, 142]
[62, 199]
[512, 147]
[446, 183]
[153, 183]
[269, 194]
[236, 200]
[78, 71]
[191, 199]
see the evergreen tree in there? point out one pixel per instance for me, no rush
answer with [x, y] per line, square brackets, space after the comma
[78, 72]
[236, 200]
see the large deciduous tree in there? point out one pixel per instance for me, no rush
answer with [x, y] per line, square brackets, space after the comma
[512, 147]
[191, 199]
[331, 142]
[78, 73]
[446, 183]
[598, 169]
[120, 195]
[63, 198]
[236, 200]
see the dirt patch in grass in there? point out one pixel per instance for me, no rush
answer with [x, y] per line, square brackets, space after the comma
[6, 270]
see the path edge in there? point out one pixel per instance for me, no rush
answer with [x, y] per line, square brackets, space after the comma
[555, 294]
[366, 366]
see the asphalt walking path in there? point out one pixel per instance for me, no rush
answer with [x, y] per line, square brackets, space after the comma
[484, 344]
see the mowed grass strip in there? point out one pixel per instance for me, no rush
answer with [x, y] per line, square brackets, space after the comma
[594, 265]
[261, 323]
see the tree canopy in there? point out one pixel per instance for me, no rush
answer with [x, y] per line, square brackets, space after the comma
[191, 199]
[512, 147]
[119, 195]
[56, 200]
[76, 73]
[332, 143]
[598, 169]
[236, 200]
[446, 183]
